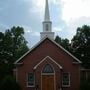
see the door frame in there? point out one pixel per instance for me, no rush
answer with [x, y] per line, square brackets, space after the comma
[54, 75]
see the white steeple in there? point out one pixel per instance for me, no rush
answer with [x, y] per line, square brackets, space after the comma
[47, 16]
[47, 24]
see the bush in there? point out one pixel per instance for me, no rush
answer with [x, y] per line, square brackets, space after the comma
[85, 85]
[9, 83]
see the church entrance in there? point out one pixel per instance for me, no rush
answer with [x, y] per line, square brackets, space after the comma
[48, 76]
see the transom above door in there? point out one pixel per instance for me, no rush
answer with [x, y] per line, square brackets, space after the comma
[48, 78]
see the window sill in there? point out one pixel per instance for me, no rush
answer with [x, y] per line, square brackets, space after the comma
[66, 86]
[31, 86]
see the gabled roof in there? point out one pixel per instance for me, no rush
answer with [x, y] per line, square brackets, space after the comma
[77, 60]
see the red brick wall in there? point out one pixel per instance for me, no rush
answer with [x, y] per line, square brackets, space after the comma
[47, 48]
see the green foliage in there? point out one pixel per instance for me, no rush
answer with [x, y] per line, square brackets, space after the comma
[9, 83]
[12, 46]
[81, 45]
[82, 36]
[85, 84]
[63, 42]
[58, 39]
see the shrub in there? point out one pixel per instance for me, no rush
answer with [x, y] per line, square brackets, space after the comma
[9, 83]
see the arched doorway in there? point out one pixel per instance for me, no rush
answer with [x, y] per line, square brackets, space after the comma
[48, 78]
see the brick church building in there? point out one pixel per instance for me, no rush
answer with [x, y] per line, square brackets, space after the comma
[48, 66]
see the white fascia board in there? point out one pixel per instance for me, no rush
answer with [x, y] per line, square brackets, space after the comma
[66, 51]
[30, 50]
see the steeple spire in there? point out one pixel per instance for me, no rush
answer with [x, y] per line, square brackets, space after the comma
[47, 24]
[47, 15]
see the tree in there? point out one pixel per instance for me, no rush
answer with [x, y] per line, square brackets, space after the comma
[58, 39]
[85, 84]
[63, 42]
[1, 46]
[81, 45]
[12, 46]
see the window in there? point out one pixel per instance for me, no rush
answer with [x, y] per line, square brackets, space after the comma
[48, 69]
[31, 79]
[66, 79]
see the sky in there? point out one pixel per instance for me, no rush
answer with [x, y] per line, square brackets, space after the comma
[66, 16]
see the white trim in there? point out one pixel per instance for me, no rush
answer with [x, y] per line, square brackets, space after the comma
[30, 50]
[50, 59]
[75, 63]
[19, 63]
[69, 80]
[66, 51]
[47, 73]
[83, 69]
[15, 73]
[54, 43]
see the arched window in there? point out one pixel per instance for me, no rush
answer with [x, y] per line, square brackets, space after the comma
[48, 69]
